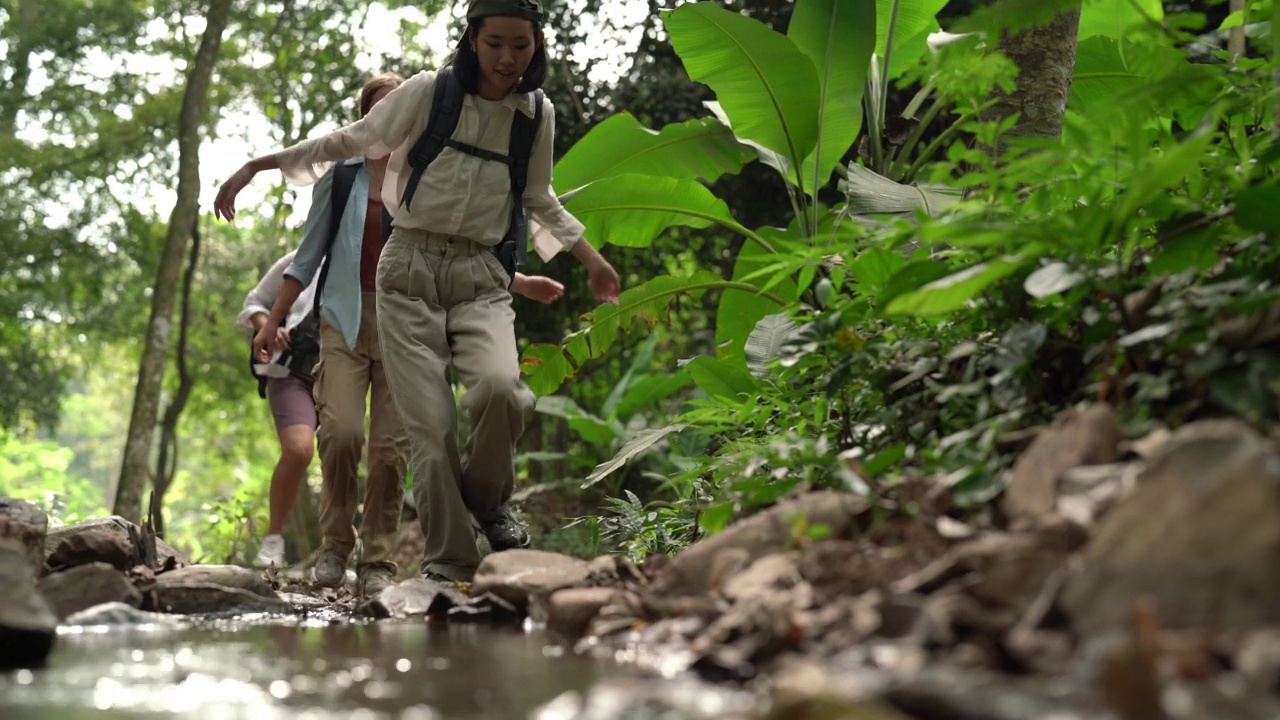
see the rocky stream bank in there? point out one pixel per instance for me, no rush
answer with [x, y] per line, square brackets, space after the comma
[1128, 578]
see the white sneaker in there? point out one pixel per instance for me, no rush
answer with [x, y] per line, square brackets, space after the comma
[271, 554]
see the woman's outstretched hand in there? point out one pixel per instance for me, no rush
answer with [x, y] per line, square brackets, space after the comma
[605, 284]
[224, 205]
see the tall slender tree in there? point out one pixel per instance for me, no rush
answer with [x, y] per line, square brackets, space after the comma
[135, 468]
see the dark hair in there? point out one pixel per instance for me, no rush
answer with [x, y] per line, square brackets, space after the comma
[466, 64]
[371, 88]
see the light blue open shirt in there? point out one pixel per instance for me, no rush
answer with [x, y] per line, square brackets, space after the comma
[340, 303]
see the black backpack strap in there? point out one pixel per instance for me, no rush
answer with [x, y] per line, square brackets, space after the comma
[344, 178]
[446, 108]
[524, 131]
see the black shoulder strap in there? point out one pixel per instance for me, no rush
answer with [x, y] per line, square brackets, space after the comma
[524, 131]
[344, 177]
[446, 108]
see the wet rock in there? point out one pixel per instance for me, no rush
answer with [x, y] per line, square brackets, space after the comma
[771, 531]
[1003, 571]
[208, 599]
[569, 612]
[769, 573]
[92, 546]
[303, 603]
[1199, 536]
[1087, 492]
[488, 607]
[750, 633]
[634, 697]
[1258, 658]
[118, 613]
[518, 575]
[229, 576]
[1091, 437]
[949, 694]
[85, 586]
[167, 556]
[27, 524]
[612, 570]
[414, 597]
[27, 623]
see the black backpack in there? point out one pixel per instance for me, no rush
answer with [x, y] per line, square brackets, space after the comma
[304, 338]
[446, 107]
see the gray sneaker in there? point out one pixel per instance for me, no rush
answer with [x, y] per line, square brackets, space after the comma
[330, 569]
[374, 580]
[505, 532]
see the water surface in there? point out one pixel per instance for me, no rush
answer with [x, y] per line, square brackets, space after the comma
[315, 670]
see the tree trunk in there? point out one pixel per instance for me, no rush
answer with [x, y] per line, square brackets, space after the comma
[167, 461]
[146, 399]
[1046, 59]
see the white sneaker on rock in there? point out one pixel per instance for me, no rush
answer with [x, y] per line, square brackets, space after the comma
[271, 554]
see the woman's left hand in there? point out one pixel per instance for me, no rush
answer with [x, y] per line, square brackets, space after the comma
[605, 284]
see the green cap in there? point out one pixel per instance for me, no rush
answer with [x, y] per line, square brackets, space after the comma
[528, 9]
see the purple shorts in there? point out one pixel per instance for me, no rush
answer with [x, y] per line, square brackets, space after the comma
[291, 402]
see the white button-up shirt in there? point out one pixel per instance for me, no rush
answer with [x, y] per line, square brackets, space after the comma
[459, 194]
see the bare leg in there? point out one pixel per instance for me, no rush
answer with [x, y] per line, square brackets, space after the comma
[297, 446]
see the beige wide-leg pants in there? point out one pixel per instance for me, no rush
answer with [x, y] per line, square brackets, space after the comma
[443, 301]
[344, 378]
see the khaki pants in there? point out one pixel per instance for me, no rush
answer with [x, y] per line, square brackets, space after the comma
[443, 300]
[344, 378]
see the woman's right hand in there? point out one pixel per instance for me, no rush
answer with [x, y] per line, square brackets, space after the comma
[224, 205]
[266, 341]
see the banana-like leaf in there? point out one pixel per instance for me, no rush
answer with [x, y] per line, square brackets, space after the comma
[643, 440]
[1118, 19]
[587, 426]
[701, 149]
[766, 341]
[950, 293]
[740, 310]
[839, 37]
[870, 193]
[913, 21]
[649, 303]
[544, 368]
[632, 210]
[766, 85]
[1123, 78]
[725, 379]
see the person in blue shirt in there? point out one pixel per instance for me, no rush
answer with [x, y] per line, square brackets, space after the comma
[351, 370]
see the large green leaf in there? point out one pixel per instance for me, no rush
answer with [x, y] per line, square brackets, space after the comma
[703, 149]
[740, 310]
[643, 440]
[766, 85]
[953, 291]
[632, 210]
[1117, 19]
[766, 341]
[870, 193]
[724, 379]
[912, 23]
[1137, 79]
[648, 303]
[839, 37]
[649, 391]
[587, 426]
[544, 368]
[1258, 208]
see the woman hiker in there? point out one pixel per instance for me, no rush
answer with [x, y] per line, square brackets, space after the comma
[287, 382]
[351, 365]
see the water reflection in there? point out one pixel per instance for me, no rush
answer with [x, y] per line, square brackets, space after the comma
[410, 670]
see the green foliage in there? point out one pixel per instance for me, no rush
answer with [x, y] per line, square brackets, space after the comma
[922, 327]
